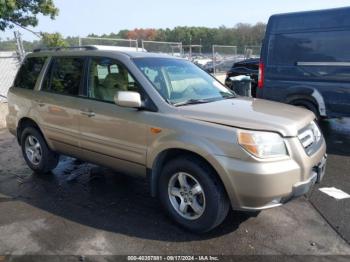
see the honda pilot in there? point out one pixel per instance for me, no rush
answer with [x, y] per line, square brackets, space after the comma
[203, 149]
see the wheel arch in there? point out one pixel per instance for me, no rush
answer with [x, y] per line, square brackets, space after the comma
[308, 94]
[25, 122]
[170, 153]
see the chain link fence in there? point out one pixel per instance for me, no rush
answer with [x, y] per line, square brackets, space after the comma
[252, 51]
[223, 58]
[170, 48]
[9, 64]
[192, 52]
[108, 42]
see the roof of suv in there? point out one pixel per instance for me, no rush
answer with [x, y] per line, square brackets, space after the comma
[132, 52]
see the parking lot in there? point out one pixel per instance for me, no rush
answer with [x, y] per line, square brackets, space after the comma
[85, 209]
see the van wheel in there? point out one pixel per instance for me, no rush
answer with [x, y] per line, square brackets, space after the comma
[192, 195]
[310, 106]
[36, 152]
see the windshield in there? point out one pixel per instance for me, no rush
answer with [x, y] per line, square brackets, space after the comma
[181, 82]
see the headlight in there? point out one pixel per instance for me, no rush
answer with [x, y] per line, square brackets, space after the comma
[262, 144]
[316, 131]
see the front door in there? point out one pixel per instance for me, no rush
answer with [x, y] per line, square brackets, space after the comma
[111, 135]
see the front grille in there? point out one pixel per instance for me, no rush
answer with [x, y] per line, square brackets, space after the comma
[310, 137]
[306, 138]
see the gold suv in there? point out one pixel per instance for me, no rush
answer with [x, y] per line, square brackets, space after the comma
[203, 148]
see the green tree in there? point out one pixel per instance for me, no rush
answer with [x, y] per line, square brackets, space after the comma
[24, 13]
[52, 40]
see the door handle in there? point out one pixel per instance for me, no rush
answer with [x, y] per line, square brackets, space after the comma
[87, 113]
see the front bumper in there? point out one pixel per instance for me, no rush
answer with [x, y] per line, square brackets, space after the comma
[317, 174]
[261, 185]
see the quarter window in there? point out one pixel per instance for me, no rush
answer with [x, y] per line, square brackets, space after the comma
[65, 75]
[29, 72]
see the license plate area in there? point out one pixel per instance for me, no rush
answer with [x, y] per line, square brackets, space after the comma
[321, 169]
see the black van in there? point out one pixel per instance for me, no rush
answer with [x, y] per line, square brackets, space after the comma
[305, 61]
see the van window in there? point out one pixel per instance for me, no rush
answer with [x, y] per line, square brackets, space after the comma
[106, 77]
[65, 75]
[287, 49]
[29, 72]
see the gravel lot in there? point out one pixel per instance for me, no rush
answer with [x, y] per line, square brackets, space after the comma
[84, 209]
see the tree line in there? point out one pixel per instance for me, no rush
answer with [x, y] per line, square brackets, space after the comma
[23, 14]
[240, 35]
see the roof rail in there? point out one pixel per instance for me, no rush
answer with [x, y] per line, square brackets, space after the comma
[84, 47]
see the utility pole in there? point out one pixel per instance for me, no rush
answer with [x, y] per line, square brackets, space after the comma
[19, 45]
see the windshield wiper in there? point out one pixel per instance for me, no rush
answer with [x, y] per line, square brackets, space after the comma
[192, 102]
[226, 95]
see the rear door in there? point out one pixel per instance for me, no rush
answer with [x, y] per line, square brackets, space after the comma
[58, 103]
[22, 95]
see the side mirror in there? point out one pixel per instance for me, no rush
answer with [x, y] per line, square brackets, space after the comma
[128, 99]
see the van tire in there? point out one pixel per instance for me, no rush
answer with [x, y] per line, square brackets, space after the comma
[216, 202]
[48, 160]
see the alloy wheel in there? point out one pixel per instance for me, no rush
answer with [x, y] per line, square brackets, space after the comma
[33, 150]
[186, 195]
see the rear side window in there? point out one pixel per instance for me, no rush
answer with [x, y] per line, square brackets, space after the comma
[29, 72]
[287, 49]
[65, 75]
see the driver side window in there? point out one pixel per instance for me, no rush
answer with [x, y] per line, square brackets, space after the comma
[107, 77]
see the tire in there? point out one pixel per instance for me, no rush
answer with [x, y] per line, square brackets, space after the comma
[213, 200]
[36, 152]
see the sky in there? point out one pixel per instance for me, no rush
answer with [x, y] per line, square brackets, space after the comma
[82, 17]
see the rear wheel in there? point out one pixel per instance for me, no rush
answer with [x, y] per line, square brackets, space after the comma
[36, 152]
[192, 195]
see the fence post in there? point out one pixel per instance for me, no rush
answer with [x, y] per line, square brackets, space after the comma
[213, 50]
[19, 45]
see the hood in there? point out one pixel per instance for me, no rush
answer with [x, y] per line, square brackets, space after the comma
[250, 113]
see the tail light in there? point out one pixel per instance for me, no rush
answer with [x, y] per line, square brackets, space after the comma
[261, 75]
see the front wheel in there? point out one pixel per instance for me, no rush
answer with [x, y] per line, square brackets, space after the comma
[192, 194]
[36, 152]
